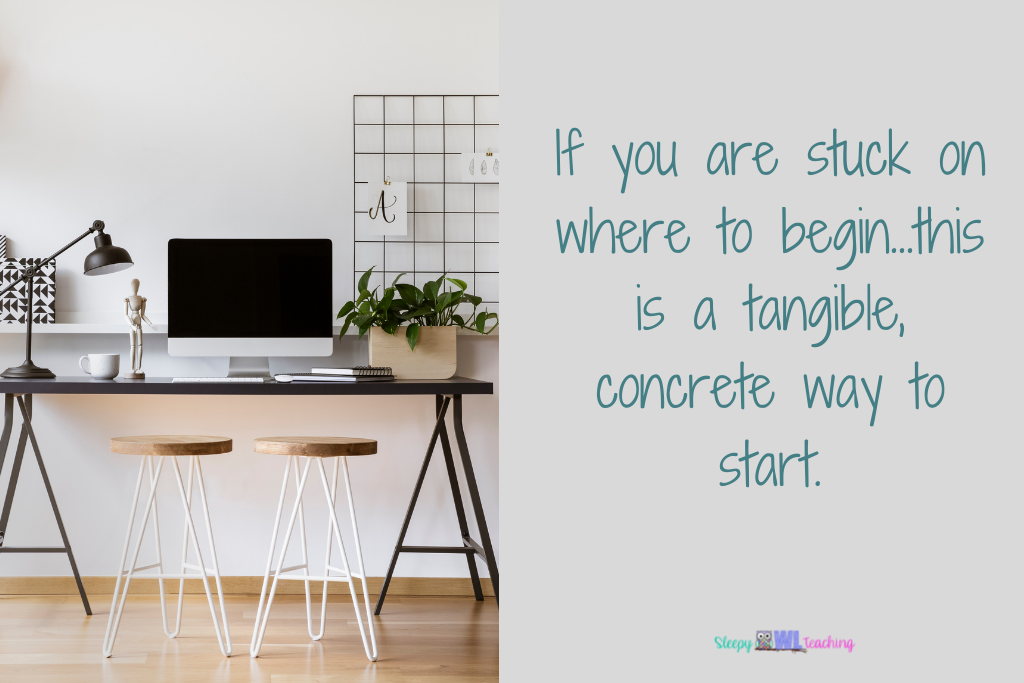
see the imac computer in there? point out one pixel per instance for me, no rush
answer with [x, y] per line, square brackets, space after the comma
[249, 299]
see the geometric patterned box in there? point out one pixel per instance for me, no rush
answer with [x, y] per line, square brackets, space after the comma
[13, 304]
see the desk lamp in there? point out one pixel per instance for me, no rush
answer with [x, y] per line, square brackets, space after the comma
[105, 258]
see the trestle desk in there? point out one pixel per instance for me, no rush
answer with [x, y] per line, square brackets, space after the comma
[447, 393]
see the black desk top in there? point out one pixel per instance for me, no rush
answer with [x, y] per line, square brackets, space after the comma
[164, 385]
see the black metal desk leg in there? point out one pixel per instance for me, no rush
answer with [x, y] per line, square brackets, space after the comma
[474, 496]
[53, 503]
[27, 433]
[412, 504]
[12, 484]
[460, 511]
[5, 439]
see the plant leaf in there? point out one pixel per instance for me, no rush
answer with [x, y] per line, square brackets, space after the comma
[461, 284]
[346, 308]
[361, 320]
[481, 321]
[395, 281]
[391, 326]
[430, 291]
[389, 295]
[411, 295]
[475, 300]
[412, 333]
[459, 320]
[345, 326]
[364, 280]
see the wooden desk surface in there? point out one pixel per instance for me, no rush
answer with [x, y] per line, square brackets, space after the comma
[164, 385]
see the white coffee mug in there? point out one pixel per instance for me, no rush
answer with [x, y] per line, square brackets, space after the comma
[101, 365]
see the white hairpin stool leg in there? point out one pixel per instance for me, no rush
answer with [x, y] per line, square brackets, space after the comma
[225, 649]
[261, 624]
[184, 556]
[159, 554]
[270, 558]
[194, 460]
[359, 556]
[371, 653]
[305, 556]
[116, 607]
[327, 561]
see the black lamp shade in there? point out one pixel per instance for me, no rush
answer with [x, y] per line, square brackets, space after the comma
[106, 258]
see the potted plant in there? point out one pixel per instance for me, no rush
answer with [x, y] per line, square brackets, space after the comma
[413, 331]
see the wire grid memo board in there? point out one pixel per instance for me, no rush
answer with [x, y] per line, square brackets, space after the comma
[453, 226]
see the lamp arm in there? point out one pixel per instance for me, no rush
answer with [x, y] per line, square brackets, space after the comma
[73, 242]
[30, 272]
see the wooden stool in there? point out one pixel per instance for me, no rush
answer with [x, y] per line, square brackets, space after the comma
[159, 447]
[315, 448]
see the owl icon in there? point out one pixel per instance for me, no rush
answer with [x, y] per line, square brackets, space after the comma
[764, 641]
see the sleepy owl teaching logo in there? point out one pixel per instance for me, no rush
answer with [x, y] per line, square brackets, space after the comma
[764, 641]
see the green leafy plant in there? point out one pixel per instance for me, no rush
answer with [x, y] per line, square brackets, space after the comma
[402, 304]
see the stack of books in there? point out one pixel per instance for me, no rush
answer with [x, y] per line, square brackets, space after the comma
[360, 373]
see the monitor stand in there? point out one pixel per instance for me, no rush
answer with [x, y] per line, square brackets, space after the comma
[249, 366]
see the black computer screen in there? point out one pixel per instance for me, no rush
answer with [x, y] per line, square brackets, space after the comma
[249, 288]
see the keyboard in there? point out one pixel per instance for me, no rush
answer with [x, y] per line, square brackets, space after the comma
[232, 380]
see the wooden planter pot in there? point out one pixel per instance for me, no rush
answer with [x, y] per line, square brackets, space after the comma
[434, 357]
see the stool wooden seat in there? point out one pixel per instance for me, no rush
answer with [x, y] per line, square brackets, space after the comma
[162, 444]
[315, 446]
[315, 449]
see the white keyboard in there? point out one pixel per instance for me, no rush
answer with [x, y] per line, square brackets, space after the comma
[220, 379]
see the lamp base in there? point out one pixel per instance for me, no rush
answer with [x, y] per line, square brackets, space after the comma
[27, 370]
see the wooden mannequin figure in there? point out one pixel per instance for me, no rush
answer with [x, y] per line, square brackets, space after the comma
[135, 313]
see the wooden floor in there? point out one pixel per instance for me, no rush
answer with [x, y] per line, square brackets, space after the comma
[419, 640]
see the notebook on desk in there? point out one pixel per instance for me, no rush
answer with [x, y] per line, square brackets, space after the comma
[316, 377]
[356, 371]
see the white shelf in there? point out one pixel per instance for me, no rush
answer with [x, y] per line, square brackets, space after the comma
[121, 328]
[73, 328]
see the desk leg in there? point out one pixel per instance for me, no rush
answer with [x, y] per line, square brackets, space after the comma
[460, 511]
[19, 455]
[5, 439]
[469, 547]
[438, 426]
[27, 433]
[474, 497]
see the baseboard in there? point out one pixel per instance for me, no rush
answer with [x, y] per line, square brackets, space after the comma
[400, 585]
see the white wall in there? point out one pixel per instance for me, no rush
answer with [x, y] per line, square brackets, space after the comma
[223, 119]
[916, 523]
